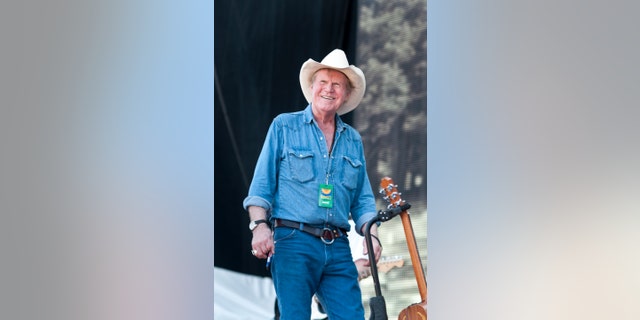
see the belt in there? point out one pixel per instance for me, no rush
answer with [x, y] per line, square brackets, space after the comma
[327, 234]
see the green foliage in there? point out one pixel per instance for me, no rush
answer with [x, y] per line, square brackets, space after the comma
[392, 46]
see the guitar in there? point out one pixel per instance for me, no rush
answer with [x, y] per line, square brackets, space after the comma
[384, 265]
[387, 263]
[416, 310]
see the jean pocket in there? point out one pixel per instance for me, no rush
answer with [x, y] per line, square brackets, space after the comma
[283, 233]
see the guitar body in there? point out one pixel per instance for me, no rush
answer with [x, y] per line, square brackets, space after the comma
[416, 311]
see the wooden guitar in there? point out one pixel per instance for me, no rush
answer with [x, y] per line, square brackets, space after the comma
[416, 310]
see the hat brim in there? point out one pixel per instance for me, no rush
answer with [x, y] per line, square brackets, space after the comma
[355, 75]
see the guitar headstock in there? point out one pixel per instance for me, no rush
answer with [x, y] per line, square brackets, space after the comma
[387, 263]
[391, 193]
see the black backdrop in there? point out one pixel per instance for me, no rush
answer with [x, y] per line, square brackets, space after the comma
[259, 49]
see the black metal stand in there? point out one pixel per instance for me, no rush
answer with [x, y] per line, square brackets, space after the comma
[377, 303]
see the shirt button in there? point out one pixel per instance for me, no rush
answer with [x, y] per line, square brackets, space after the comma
[325, 155]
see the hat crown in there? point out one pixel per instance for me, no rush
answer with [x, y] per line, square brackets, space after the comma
[337, 59]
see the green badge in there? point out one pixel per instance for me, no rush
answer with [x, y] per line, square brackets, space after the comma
[325, 196]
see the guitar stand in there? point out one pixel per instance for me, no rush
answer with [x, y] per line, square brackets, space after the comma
[377, 303]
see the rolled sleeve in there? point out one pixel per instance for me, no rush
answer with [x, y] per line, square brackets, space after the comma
[363, 220]
[256, 201]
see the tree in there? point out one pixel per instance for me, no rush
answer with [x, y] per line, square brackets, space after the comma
[393, 55]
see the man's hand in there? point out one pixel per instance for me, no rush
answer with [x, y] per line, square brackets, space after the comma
[377, 246]
[377, 249]
[262, 241]
[362, 265]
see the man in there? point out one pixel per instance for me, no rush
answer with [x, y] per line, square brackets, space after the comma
[310, 177]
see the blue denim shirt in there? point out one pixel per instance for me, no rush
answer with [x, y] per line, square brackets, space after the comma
[294, 162]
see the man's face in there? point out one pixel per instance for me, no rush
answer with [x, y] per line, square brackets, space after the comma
[330, 90]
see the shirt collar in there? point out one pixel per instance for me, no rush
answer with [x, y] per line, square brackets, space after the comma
[308, 118]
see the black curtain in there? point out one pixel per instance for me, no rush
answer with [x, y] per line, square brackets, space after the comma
[259, 49]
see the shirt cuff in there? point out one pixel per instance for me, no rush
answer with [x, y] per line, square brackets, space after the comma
[363, 220]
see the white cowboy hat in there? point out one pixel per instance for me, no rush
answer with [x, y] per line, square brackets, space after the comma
[336, 60]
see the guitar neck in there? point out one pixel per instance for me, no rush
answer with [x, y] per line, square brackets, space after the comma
[415, 256]
[395, 201]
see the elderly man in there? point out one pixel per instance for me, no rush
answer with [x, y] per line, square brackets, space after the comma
[309, 179]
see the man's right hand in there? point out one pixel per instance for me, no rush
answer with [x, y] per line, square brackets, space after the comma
[262, 241]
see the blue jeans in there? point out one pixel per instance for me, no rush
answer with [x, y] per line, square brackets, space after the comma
[303, 265]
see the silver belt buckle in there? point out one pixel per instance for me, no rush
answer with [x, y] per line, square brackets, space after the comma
[324, 232]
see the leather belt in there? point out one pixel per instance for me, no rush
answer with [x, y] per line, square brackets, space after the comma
[328, 234]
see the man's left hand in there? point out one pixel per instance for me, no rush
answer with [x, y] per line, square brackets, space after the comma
[377, 248]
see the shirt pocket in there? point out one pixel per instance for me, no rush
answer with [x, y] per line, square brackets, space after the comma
[301, 165]
[351, 172]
